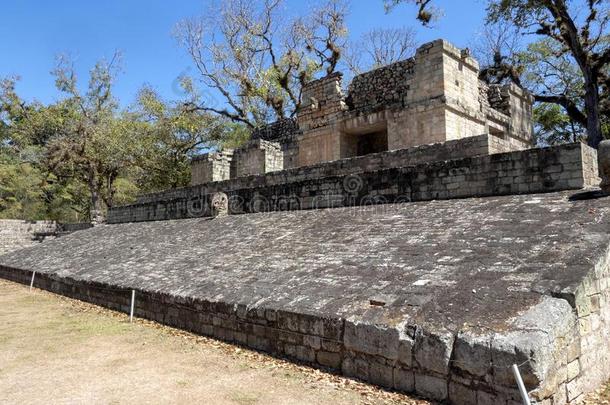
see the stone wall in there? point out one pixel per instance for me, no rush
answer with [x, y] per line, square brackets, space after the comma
[560, 344]
[435, 96]
[215, 166]
[333, 185]
[322, 102]
[277, 130]
[286, 133]
[467, 147]
[257, 157]
[17, 234]
[381, 88]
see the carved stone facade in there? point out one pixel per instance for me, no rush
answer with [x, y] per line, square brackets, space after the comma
[436, 96]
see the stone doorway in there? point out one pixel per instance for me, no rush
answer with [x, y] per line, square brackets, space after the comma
[365, 143]
[372, 143]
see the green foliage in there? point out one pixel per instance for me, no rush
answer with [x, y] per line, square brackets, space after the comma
[21, 190]
[72, 159]
[553, 126]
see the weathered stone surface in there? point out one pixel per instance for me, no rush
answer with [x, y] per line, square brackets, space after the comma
[535, 339]
[432, 350]
[472, 353]
[603, 153]
[378, 340]
[379, 179]
[17, 234]
[431, 387]
[450, 273]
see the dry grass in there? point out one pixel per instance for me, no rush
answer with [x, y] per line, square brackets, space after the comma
[57, 350]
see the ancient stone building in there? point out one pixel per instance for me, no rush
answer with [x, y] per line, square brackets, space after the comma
[407, 234]
[434, 97]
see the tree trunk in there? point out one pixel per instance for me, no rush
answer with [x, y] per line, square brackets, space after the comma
[594, 127]
[96, 212]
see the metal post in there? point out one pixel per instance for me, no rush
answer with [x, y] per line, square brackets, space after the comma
[32, 281]
[133, 301]
[524, 396]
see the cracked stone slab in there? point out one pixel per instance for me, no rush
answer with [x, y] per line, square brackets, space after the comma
[466, 285]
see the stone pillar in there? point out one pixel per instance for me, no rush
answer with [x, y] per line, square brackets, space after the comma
[520, 104]
[603, 158]
[211, 167]
[257, 157]
[323, 102]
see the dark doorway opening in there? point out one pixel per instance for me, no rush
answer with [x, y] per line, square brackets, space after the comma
[371, 143]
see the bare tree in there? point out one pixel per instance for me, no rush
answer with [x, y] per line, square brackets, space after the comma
[497, 48]
[426, 12]
[380, 47]
[256, 59]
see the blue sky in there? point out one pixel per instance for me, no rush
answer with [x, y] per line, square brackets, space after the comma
[33, 32]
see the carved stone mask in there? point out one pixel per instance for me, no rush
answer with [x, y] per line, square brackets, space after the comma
[220, 204]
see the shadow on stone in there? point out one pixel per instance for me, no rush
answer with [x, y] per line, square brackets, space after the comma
[588, 195]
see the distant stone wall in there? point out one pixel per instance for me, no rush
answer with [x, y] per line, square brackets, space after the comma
[214, 166]
[435, 96]
[381, 88]
[17, 234]
[277, 130]
[257, 157]
[346, 183]
[461, 148]
[285, 132]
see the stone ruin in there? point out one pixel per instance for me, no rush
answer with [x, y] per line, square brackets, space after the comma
[434, 97]
[407, 234]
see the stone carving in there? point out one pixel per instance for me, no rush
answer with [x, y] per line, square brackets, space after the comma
[220, 205]
[603, 156]
[97, 218]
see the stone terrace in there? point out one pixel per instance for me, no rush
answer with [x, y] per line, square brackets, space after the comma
[436, 297]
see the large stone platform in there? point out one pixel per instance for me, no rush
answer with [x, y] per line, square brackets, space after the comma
[437, 297]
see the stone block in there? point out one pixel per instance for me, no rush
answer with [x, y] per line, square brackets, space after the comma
[431, 387]
[473, 353]
[381, 374]
[331, 346]
[404, 379]
[371, 339]
[329, 359]
[460, 394]
[432, 350]
[603, 156]
[573, 370]
[574, 390]
[355, 367]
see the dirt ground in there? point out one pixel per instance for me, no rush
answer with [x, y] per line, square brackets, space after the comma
[62, 351]
[57, 350]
